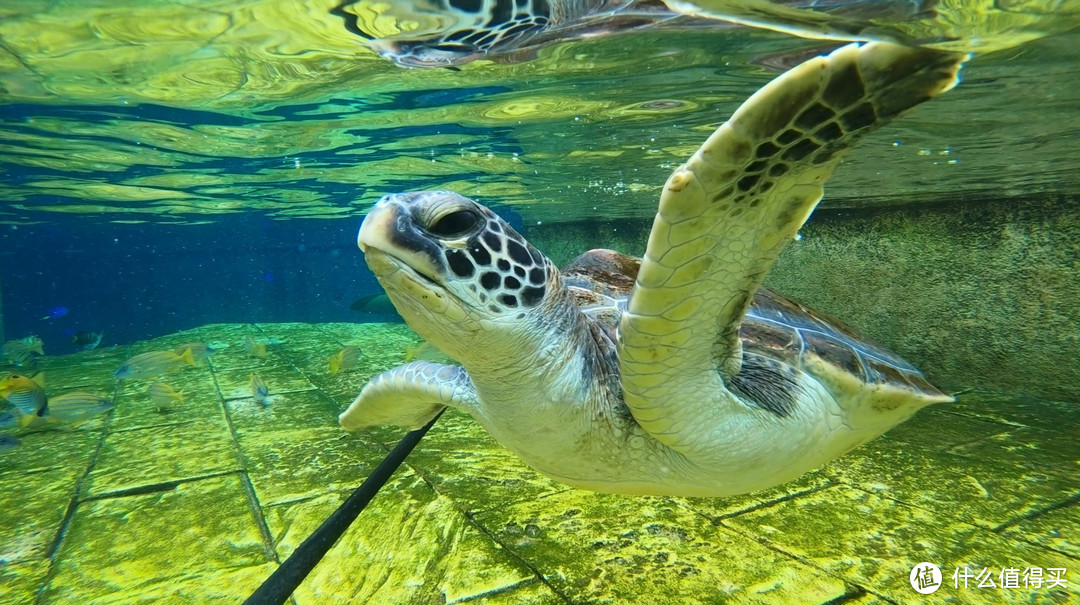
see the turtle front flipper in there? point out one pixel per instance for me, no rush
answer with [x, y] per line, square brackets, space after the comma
[409, 396]
[727, 213]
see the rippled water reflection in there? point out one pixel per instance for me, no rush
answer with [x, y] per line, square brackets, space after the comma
[153, 111]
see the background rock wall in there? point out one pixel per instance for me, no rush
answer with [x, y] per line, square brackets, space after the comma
[978, 294]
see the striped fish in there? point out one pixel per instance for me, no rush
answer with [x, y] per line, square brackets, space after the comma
[22, 351]
[154, 363]
[76, 407]
[257, 349]
[344, 359]
[259, 390]
[199, 351]
[26, 394]
[164, 395]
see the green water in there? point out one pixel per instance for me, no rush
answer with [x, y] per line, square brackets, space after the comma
[950, 236]
[177, 113]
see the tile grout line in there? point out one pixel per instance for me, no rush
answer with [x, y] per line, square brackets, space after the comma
[249, 489]
[537, 575]
[245, 480]
[73, 504]
[765, 542]
[829, 483]
[1071, 500]
[379, 447]
[152, 488]
[859, 589]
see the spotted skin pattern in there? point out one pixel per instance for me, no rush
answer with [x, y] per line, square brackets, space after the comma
[727, 213]
[506, 271]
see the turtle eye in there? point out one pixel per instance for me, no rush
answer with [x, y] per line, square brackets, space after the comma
[455, 224]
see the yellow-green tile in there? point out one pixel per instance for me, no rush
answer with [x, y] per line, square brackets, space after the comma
[20, 582]
[527, 593]
[152, 455]
[135, 408]
[294, 410]
[874, 542]
[1058, 529]
[290, 464]
[409, 546]
[33, 508]
[66, 448]
[130, 545]
[280, 377]
[986, 491]
[226, 585]
[718, 508]
[615, 549]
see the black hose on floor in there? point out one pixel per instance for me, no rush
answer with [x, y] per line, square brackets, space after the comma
[277, 588]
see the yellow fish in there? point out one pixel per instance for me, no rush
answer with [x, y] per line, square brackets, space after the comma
[199, 351]
[164, 395]
[26, 394]
[344, 359]
[153, 363]
[259, 389]
[77, 407]
[255, 348]
[426, 351]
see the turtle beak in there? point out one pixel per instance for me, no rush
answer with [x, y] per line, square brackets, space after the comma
[389, 229]
[377, 223]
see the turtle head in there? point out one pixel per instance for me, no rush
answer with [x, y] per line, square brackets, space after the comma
[459, 275]
[459, 32]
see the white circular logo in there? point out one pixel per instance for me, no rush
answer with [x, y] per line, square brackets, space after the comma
[925, 578]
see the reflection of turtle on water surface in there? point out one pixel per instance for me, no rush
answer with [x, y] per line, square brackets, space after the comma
[677, 374]
[443, 33]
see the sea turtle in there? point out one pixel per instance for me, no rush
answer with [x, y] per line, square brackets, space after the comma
[448, 33]
[676, 374]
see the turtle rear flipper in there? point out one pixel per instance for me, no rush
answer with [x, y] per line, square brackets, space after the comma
[727, 213]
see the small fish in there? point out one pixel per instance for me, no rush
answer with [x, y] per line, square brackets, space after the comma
[77, 407]
[10, 419]
[378, 304]
[87, 341]
[56, 313]
[7, 442]
[26, 394]
[426, 351]
[21, 351]
[255, 348]
[32, 342]
[153, 363]
[199, 351]
[164, 395]
[344, 359]
[259, 389]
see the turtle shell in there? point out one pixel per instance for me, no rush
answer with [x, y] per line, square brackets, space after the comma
[774, 326]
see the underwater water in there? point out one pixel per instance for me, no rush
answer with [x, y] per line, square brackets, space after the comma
[181, 186]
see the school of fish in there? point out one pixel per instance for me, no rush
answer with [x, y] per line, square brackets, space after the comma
[27, 405]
